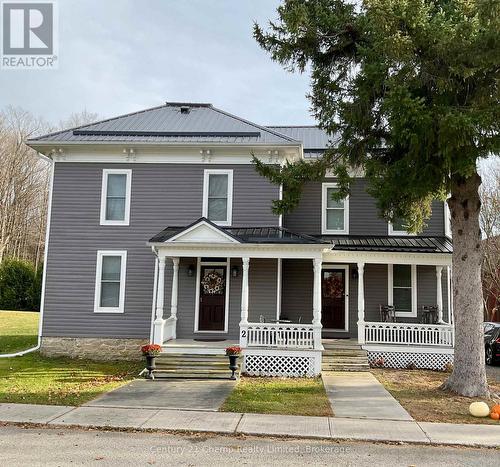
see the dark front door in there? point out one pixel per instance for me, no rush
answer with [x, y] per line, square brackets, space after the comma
[333, 297]
[212, 298]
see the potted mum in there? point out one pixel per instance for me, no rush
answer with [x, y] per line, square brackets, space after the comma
[150, 351]
[233, 353]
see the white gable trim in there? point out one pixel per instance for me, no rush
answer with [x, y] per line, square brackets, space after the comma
[202, 232]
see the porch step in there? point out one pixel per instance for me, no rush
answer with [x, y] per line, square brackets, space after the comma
[192, 366]
[344, 356]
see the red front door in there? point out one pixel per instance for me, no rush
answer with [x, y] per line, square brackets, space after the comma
[333, 298]
[212, 298]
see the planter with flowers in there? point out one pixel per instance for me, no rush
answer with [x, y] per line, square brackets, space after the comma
[150, 351]
[233, 353]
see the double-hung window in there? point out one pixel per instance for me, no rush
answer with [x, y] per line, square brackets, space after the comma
[335, 214]
[398, 227]
[403, 289]
[115, 197]
[110, 281]
[218, 196]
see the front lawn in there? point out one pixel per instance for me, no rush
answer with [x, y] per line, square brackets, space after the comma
[286, 396]
[418, 392]
[18, 330]
[34, 379]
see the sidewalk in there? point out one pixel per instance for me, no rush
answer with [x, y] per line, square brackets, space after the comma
[254, 424]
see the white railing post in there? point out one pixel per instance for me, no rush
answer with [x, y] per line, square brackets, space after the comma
[173, 298]
[439, 293]
[361, 303]
[244, 304]
[160, 295]
[317, 267]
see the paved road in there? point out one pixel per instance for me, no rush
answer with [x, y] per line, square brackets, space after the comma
[493, 372]
[55, 447]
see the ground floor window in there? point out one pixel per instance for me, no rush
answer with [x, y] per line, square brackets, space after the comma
[110, 281]
[402, 289]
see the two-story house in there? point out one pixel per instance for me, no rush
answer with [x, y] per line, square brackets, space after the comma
[161, 230]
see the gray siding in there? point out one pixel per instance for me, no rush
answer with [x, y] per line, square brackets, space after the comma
[162, 194]
[363, 214]
[297, 287]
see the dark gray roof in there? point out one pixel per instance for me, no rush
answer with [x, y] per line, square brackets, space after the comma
[408, 244]
[312, 137]
[174, 122]
[275, 235]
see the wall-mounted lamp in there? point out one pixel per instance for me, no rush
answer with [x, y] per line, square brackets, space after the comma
[235, 271]
[354, 273]
[190, 270]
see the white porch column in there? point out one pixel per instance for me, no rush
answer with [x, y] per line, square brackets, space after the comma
[439, 293]
[361, 303]
[160, 297]
[317, 265]
[244, 303]
[173, 298]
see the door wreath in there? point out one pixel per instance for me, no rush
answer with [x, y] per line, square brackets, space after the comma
[333, 286]
[213, 283]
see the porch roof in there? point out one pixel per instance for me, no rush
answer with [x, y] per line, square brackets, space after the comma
[406, 244]
[260, 235]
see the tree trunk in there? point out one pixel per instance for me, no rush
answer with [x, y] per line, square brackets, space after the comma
[469, 374]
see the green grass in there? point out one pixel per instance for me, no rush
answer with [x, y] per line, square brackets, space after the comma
[18, 330]
[35, 379]
[286, 396]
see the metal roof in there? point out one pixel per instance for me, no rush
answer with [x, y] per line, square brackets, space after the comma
[312, 137]
[264, 235]
[174, 122]
[408, 244]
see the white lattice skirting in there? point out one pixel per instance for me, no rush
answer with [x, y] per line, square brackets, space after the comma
[427, 360]
[280, 363]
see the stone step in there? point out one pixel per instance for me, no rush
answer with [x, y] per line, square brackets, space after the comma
[344, 355]
[346, 368]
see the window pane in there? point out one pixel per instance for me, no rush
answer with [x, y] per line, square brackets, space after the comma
[402, 300]
[115, 209]
[117, 185]
[217, 186]
[398, 225]
[110, 294]
[217, 209]
[111, 267]
[330, 203]
[402, 275]
[335, 219]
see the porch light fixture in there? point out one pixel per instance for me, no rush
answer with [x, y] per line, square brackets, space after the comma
[354, 273]
[234, 271]
[190, 270]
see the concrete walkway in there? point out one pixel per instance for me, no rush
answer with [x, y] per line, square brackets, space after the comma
[184, 394]
[360, 395]
[254, 424]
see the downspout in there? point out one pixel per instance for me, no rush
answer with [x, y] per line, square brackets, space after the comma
[44, 274]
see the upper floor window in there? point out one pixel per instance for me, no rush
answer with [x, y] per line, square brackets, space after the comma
[335, 214]
[398, 227]
[110, 281]
[218, 196]
[115, 196]
[402, 289]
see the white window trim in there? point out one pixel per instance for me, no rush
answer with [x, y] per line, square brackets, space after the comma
[324, 193]
[391, 231]
[97, 298]
[447, 220]
[227, 265]
[390, 295]
[206, 176]
[104, 192]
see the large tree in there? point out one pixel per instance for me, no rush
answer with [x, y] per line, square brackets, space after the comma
[409, 91]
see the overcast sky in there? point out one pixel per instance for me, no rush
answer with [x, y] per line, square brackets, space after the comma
[117, 56]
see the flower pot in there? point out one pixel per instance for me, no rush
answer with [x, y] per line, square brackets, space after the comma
[151, 366]
[233, 364]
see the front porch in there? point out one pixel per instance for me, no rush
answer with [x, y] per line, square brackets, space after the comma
[272, 297]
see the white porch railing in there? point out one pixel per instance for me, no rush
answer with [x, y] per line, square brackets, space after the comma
[271, 335]
[409, 334]
[169, 328]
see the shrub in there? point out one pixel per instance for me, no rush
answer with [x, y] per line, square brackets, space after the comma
[20, 285]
